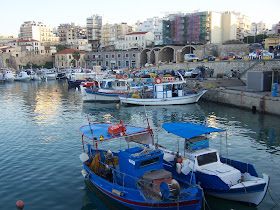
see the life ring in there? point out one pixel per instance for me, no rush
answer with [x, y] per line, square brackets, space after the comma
[158, 80]
[125, 76]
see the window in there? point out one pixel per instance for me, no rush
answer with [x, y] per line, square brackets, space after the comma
[126, 55]
[69, 56]
[133, 55]
[106, 56]
[119, 55]
[93, 56]
[127, 63]
[207, 158]
[148, 162]
[112, 56]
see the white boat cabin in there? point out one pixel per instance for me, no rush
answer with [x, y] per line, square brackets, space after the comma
[169, 90]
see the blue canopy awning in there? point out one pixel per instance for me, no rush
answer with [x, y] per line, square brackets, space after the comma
[101, 129]
[189, 130]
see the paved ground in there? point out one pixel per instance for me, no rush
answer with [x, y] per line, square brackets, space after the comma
[231, 84]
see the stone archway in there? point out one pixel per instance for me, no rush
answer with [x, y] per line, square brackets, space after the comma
[166, 54]
[144, 57]
[185, 50]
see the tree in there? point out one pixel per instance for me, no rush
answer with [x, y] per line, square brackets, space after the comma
[76, 55]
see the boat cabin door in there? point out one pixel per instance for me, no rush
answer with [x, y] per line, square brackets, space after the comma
[180, 89]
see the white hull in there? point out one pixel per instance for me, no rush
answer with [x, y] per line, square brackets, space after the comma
[253, 198]
[98, 96]
[22, 79]
[187, 99]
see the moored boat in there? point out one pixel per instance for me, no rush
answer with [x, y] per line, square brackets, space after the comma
[220, 177]
[108, 89]
[164, 93]
[22, 76]
[135, 177]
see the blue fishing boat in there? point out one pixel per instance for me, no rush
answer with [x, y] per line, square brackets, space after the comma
[218, 176]
[135, 177]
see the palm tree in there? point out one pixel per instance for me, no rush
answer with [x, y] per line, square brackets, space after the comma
[76, 55]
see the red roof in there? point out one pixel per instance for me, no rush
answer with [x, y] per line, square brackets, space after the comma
[135, 33]
[69, 51]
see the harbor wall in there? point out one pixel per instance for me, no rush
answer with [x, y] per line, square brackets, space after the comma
[263, 103]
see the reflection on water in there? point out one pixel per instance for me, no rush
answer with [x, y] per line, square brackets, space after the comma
[40, 125]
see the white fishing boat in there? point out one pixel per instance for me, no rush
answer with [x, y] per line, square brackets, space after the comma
[108, 89]
[22, 76]
[164, 93]
[8, 75]
[218, 176]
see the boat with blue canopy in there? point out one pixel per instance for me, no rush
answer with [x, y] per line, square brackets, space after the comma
[218, 176]
[135, 177]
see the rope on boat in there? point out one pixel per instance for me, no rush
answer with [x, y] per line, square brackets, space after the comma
[246, 193]
[275, 202]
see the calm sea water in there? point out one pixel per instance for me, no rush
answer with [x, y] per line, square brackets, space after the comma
[40, 144]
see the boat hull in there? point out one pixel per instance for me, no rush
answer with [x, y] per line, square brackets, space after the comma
[133, 198]
[187, 99]
[251, 195]
[97, 96]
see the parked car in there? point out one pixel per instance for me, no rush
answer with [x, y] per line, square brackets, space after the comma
[189, 72]
[209, 57]
[253, 55]
[209, 72]
[231, 55]
[265, 53]
[190, 57]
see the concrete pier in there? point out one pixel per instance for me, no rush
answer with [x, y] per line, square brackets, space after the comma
[233, 92]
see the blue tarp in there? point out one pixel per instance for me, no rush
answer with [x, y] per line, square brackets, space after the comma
[189, 130]
[96, 130]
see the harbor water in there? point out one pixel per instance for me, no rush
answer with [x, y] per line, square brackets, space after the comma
[40, 144]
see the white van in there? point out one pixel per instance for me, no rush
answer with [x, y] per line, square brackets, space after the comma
[190, 57]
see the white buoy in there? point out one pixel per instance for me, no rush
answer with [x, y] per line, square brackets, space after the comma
[84, 157]
[84, 173]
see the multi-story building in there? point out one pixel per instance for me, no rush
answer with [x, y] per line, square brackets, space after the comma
[136, 40]
[73, 36]
[258, 28]
[4, 39]
[204, 27]
[94, 25]
[110, 33]
[113, 59]
[37, 31]
[64, 59]
[153, 25]
[243, 26]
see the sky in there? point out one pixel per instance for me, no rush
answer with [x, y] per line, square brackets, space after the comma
[55, 12]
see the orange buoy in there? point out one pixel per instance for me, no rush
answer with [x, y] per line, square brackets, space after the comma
[20, 204]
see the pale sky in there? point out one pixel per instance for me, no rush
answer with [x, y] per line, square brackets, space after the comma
[54, 12]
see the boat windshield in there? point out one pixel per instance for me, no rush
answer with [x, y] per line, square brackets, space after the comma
[207, 158]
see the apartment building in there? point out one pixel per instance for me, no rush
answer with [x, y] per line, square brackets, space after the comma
[37, 31]
[136, 40]
[73, 36]
[110, 33]
[153, 25]
[93, 27]
[243, 26]
[258, 28]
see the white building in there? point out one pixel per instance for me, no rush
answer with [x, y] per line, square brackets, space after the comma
[136, 40]
[94, 25]
[37, 31]
[258, 28]
[153, 25]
